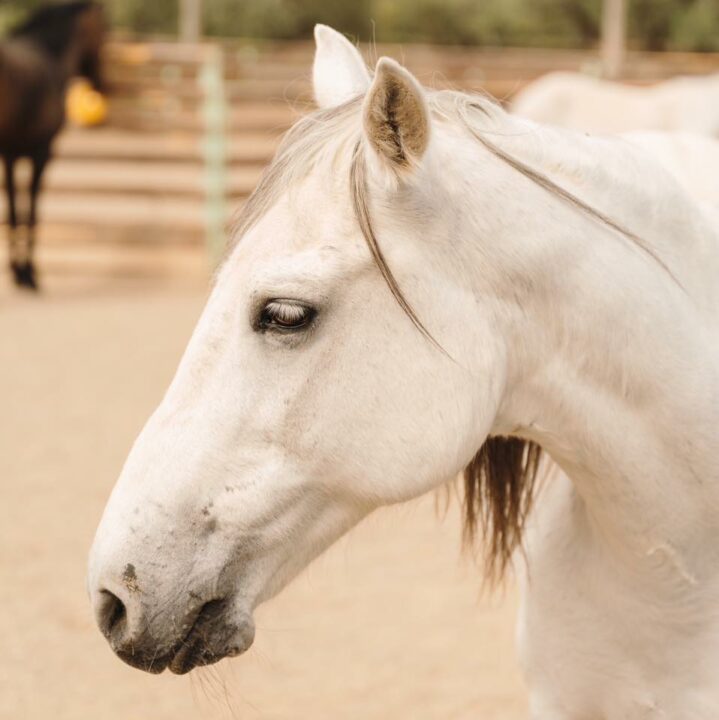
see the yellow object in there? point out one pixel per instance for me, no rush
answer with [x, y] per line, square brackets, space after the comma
[85, 106]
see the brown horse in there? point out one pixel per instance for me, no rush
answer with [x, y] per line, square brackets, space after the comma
[37, 61]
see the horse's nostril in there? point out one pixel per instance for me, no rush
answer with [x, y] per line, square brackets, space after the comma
[111, 614]
[211, 610]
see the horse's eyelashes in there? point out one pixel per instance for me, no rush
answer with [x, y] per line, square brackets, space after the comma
[285, 316]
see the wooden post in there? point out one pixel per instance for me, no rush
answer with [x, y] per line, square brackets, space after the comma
[614, 28]
[190, 20]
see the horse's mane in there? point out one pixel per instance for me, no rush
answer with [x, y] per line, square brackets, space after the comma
[499, 481]
[51, 26]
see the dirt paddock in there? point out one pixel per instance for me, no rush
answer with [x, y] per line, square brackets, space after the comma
[388, 624]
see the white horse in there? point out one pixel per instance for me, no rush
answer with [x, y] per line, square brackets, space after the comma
[423, 285]
[582, 102]
[693, 159]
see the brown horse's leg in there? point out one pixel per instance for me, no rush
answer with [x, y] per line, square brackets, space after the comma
[39, 163]
[10, 192]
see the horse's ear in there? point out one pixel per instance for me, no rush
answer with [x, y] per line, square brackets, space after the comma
[339, 72]
[396, 118]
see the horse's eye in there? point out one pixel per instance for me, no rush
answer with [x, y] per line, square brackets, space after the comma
[285, 316]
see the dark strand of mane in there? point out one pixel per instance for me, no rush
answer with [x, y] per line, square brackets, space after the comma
[359, 192]
[499, 486]
[51, 26]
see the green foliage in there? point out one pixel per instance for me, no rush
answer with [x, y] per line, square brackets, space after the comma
[14, 11]
[653, 24]
[283, 18]
[697, 28]
[8, 17]
[143, 16]
[651, 21]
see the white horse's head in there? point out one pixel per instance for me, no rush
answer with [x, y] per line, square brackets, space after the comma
[342, 363]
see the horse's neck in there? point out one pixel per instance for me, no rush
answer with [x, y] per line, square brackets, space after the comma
[635, 190]
[64, 57]
[613, 366]
[25, 67]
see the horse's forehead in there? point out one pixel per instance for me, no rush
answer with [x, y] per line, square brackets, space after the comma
[308, 216]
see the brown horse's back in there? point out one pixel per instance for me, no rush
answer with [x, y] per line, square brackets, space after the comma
[31, 98]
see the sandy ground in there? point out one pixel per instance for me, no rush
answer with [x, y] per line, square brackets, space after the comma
[389, 624]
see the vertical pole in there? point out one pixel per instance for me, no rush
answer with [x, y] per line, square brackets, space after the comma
[190, 20]
[614, 28]
[214, 117]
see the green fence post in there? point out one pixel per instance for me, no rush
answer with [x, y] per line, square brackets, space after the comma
[214, 150]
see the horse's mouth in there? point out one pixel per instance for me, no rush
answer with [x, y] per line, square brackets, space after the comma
[210, 639]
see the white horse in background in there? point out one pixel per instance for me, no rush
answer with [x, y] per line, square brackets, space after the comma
[693, 159]
[573, 100]
[420, 286]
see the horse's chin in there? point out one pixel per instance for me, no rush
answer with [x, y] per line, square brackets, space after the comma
[211, 638]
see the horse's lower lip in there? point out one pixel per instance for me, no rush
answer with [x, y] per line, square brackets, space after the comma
[193, 653]
[196, 647]
[153, 665]
[210, 640]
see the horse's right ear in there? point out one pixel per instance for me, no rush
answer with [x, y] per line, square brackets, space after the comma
[339, 72]
[396, 117]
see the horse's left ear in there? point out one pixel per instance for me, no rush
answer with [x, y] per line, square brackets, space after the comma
[339, 73]
[396, 117]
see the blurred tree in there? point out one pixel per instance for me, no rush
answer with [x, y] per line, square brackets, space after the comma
[697, 28]
[653, 24]
[13, 11]
[284, 18]
[428, 20]
[650, 21]
[584, 16]
[158, 16]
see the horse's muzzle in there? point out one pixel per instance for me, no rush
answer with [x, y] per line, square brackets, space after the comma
[210, 632]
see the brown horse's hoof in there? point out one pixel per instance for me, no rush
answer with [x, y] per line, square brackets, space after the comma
[24, 275]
